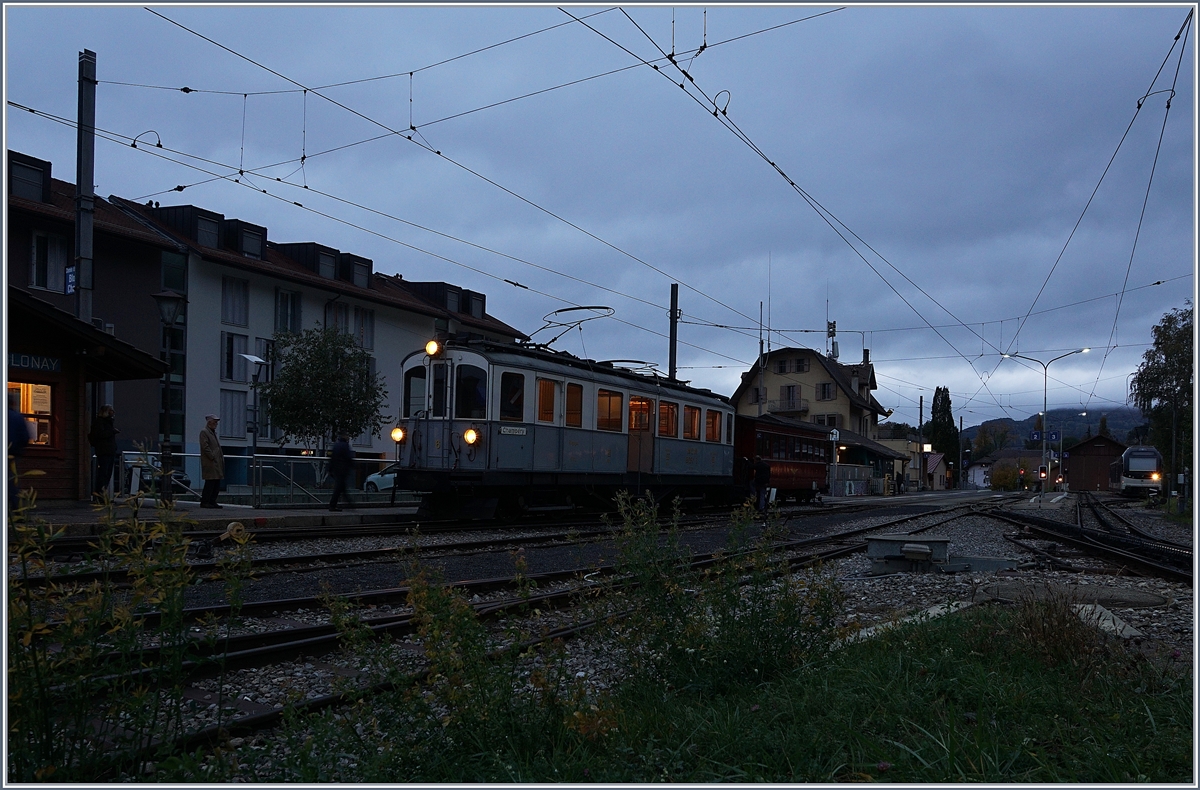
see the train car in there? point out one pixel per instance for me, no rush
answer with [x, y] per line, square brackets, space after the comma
[1139, 472]
[799, 454]
[528, 428]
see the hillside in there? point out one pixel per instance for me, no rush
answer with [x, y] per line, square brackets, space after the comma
[1120, 422]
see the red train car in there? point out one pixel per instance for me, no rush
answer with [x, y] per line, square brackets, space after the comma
[799, 454]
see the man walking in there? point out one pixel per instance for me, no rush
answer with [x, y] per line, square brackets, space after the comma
[212, 461]
[341, 461]
[18, 437]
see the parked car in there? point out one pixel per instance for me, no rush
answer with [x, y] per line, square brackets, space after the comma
[149, 468]
[381, 481]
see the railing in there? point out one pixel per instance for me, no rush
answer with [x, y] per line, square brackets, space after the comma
[261, 481]
[788, 404]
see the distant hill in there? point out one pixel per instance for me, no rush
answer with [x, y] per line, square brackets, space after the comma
[1121, 421]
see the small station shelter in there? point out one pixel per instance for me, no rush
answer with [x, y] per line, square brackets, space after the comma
[1085, 465]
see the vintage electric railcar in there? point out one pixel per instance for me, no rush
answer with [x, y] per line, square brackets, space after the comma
[529, 428]
[1139, 472]
[799, 454]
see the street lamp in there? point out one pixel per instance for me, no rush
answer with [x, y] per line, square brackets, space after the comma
[397, 437]
[258, 363]
[1045, 384]
[169, 304]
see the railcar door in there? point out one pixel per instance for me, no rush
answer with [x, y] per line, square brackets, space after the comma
[641, 435]
[547, 437]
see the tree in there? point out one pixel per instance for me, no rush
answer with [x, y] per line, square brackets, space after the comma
[324, 386]
[1162, 387]
[1103, 429]
[941, 431]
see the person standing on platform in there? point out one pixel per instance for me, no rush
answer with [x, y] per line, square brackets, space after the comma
[762, 482]
[18, 437]
[103, 437]
[212, 461]
[341, 462]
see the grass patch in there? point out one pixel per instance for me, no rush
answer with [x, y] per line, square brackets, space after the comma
[731, 675]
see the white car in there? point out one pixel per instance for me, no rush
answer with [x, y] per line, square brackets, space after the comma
[381, 481]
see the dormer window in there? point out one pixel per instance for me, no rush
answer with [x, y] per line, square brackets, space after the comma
[207, 232]
[25, 181]
[362, 274]
[327, 265]
[477, 306]
[452, 300]
[252, 244]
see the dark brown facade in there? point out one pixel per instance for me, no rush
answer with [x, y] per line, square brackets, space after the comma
[128, 270]
[1086, 464]
[52, 358]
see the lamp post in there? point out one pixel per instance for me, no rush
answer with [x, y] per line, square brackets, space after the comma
[1045, 384]
[397, 437]
[258, 363]
[169, 304]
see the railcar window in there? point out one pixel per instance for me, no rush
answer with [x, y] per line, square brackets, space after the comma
[691, 422]
[640, 410]
[1142, 463]
[729, 428]
[668, 418]
[575, 405]
[439, 390]
[414, 391]
[712, 426]
[608, 410]
[470, 393]
[547, 393]
[512, 397]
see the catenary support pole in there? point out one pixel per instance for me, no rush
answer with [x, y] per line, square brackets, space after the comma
[672, 369]
[85, 195]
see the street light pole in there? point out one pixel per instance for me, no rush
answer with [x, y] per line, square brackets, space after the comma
[1045, 389]
[258, 363]
[169, 304]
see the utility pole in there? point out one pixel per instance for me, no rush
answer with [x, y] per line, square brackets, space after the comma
[762, 386]
[961, 475]
[921, 444]
[85, 196]
[671, 368]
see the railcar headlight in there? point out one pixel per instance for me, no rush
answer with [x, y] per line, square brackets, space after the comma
[398, 434]
[433, 348]
[1155, 476]
[470, 436]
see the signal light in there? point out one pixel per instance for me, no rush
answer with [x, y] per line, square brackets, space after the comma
[1042, 474]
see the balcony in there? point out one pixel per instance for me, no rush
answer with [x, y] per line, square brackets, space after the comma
[788, 406]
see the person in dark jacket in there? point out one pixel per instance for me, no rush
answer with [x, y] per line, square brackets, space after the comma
[762, 482]
[18, 437]
[103, 437]
[341, 462]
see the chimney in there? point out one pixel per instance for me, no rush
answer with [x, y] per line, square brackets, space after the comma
[866, 356]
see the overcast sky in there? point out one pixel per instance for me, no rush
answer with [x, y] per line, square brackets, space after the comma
[955, 148]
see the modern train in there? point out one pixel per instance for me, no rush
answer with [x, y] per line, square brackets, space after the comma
[1139, 472]
[525, 428]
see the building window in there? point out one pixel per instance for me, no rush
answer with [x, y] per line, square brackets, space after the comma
[233, 364]
[362, 274]
[452, 300]
[287, 311]
[755, 395]
[787, 397]
[364, 327]
[235, 301]
[207, 232]
[326, 265]
[802, 365]
[781, 366]
[174, 272]
[547, 393]
[48, 263]
[252, 244]
[470, 393]
[574, 413]
[233, 414]
[691, 422]
[37, 408]
[668, 418]
[512, 397]
[712, 426]
[608, 410]
[826, 391]
[25, 181]
[476, 306]
[337, 316]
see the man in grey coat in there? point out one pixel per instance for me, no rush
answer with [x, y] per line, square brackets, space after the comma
[212, 461]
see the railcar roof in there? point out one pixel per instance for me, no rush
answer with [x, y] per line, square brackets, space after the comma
[503, 353]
